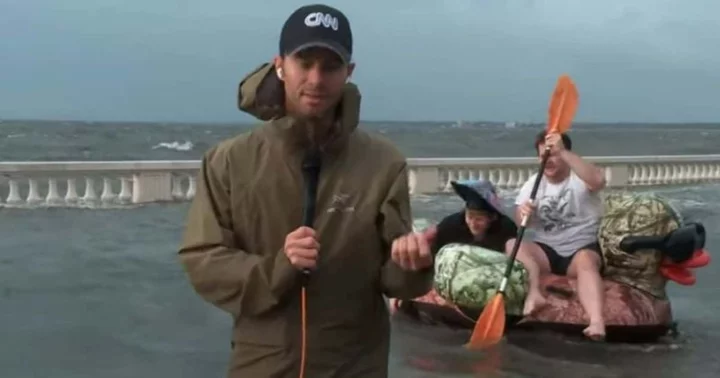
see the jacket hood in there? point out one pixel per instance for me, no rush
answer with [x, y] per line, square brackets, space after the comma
[262, 95]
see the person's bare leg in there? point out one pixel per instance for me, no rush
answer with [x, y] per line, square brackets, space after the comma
[536, 264]
[591, 292]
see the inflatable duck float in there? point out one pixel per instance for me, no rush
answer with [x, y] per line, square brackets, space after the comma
[644, 243]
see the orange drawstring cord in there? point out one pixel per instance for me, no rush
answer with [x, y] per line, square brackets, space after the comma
[303, 321]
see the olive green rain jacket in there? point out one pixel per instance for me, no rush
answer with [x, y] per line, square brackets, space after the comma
[249, 197]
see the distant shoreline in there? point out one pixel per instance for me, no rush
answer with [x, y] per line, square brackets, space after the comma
[466, 124]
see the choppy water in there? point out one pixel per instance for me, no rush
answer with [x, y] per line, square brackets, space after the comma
[99, 293]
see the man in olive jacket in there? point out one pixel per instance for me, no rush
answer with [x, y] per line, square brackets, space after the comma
[244, 248]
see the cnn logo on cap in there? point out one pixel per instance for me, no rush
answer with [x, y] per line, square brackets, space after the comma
[319, 18]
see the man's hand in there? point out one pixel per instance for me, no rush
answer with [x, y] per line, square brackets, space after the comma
[593, 176]
[526, 209]
[412, 251]
[554, 142]
[301, 248]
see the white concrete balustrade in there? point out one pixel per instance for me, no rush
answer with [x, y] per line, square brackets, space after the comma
[109, 183]
[433, 175]
[96, 183]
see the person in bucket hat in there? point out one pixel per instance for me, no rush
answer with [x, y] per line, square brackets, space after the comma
[482, 221]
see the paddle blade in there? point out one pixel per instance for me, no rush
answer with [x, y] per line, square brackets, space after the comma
[490, 326]
[563, 105]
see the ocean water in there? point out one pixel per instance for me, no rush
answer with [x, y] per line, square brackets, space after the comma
[99, 293]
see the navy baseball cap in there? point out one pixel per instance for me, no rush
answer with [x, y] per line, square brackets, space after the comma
[317, 25]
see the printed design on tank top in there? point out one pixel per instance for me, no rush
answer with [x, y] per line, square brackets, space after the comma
[555, 212]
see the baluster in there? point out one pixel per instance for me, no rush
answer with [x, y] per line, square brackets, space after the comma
[125, 190]
[107, 193]
[71, 195]
[177, 192]
[192, 187]
[33, 197]
[53, 195]
[13, 197]
[90, 196]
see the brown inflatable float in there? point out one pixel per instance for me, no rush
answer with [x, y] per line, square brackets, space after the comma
[644, 244]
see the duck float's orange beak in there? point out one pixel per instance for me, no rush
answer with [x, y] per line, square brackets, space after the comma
[681, 272]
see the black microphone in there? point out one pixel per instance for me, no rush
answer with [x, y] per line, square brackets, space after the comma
[311, 174]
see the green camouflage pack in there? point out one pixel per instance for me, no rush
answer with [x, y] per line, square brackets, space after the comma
[469, 276]
[641, 214]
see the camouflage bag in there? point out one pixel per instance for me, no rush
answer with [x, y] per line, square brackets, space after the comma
[636, 214]
[469, 276]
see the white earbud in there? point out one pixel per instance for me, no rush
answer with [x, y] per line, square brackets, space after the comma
[279, 73]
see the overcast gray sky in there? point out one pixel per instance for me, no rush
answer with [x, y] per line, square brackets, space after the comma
[181, 60]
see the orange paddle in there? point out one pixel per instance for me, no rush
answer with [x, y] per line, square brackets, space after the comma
[490, 326]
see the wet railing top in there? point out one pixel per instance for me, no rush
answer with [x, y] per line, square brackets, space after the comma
[182, 165]
[99, 166]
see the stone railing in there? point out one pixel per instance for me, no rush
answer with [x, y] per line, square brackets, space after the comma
[96, 183]
[433, 175]
[76, 183]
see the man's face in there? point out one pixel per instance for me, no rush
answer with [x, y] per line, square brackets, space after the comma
[555, 168]
[314, 80]
[478, 221]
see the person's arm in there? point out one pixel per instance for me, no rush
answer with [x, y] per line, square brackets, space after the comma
[220, 271]
[522, 197]
[443, 236]
[592, 175]
[395, 221]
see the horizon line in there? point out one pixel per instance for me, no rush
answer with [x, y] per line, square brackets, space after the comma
[579, 122]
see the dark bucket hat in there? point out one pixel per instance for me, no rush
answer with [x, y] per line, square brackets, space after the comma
[479, 195]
